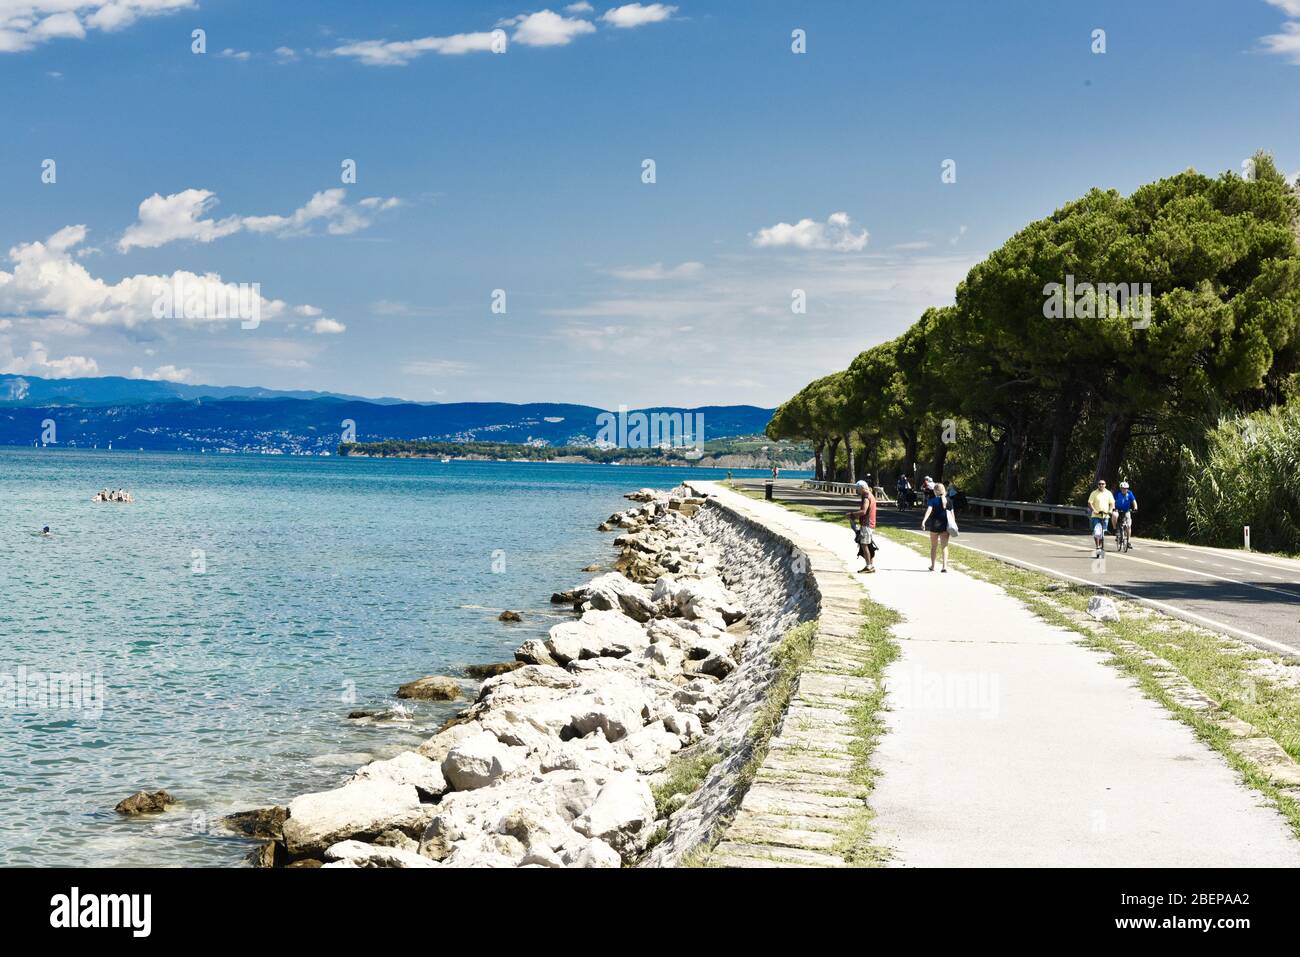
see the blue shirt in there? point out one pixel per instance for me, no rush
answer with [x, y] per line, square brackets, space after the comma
[1125, 500]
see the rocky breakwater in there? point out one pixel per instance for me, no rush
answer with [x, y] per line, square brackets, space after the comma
[563, 762]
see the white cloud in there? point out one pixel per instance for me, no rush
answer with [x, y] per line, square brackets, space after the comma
[328, 327]
[236, 54]
[638, 14]
[1286, 43]
[402, 52]
[181, 216]
[26, 23]
[165, 219]
[740, 311]
[329, 205]
[279, 362]
[60, 25]
[286, 54]
[38, 362]
[435, 368]
[543, 28]
[47, 282]
[835, 234]
[546, 28]
[168, 373]
[656, 271]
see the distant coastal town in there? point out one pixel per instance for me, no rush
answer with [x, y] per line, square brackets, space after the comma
[742, 452]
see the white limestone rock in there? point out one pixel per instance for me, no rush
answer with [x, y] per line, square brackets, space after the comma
[593, 853]
[622, 816]
[685, 726]
[409, 767]
[359, 809]
[1103, 608]
[478, 761]
[651, 748]
[596, 634]
[360, 854]
[616, 592]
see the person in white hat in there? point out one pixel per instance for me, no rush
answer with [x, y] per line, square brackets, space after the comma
[1126, 504]
[862, 522]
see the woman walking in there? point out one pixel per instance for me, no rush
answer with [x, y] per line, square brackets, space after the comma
[935, 521]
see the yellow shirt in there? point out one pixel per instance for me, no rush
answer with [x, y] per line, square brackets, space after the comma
[1101, 502]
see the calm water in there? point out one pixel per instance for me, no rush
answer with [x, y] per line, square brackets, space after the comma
[236, 613]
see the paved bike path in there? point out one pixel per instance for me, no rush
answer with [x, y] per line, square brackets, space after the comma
[1247, 595]
[1011, 745]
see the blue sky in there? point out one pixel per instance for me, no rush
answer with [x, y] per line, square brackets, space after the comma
[522, 171]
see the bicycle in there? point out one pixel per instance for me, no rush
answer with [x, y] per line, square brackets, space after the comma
[1124, 532]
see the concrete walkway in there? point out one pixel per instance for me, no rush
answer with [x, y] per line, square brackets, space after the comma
[1010, 745]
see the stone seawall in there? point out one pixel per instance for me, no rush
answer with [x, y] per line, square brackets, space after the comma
[806, 802]
[768, 573]
[626, 737]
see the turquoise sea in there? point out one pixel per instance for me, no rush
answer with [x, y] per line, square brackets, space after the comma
[238, 610]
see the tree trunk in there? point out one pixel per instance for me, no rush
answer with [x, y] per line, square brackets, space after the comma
[1016, 443]
[1119, 427]
[909, 437]
[940, 454]
[990, 484]
[819, 467]
[864, 453]
[848, 454]
[832, 469]
[1065, 415]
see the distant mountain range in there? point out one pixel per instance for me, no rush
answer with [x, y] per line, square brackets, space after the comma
[116, 390]
[141, 414]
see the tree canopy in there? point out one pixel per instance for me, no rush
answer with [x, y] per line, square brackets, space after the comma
[1086, 341]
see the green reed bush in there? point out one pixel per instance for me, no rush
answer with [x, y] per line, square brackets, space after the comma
[1248, 474]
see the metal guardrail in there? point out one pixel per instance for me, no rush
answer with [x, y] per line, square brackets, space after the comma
[991, 507]
[842, 488]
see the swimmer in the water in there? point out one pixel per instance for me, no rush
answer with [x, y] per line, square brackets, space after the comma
[45, 530]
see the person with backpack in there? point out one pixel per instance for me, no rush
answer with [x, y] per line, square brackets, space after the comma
[935, 521]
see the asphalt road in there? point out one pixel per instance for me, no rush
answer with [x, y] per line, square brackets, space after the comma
[1246, 595]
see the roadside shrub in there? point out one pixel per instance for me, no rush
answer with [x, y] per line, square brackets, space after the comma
[1249, 474]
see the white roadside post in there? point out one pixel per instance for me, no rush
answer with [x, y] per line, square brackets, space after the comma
[1247, 537]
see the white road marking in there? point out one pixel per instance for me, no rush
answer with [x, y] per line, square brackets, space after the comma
[1172, 609]
[1128, 556]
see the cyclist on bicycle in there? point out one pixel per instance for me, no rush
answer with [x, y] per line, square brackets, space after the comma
[1101, 503]
[904, 490]
[1126, 504]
